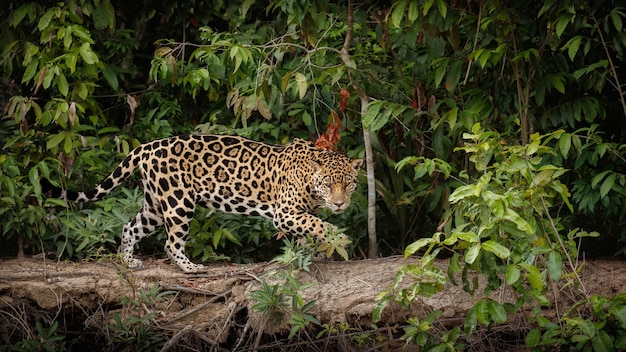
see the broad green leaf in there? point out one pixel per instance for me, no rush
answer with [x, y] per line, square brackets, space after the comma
[44, 21]
[18, 15]
[555, 266]
[302, 84]
[565, 143]
[413, 11]
[562, 23]
[572, 46]
[33, 177]
[377, 312]
[30, 71]
[463, 192]
[496, 248]
[619, 312]
[482, 312]
[533, 337]
[373, 108]
[451, 116]
[512, 274]
[617, 20]
[602, 342]
[470, 237]
[102, 16]
[397, 13]
[68, 144]
[533, 275]
[54, 140]
[471, 321]
[496, 311]
[558, 82]
[88, 56]
[416, 246]
[521, 224]
[472, 253]
[110, 76]
[443, 8]
[236, 55]
[454, 75]
[62, 84]
[607, 185]
[597, 178]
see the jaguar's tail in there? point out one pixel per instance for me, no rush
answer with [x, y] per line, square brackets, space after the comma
[121, 172]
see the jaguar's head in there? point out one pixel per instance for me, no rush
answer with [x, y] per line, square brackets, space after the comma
[335, 179]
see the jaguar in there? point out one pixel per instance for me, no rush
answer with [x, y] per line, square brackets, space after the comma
[289, 184]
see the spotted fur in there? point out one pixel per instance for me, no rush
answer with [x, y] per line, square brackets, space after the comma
[288, 184]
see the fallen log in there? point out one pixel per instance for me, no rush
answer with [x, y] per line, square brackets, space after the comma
[216, 307]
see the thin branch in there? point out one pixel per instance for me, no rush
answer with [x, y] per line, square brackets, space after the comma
[612, 65]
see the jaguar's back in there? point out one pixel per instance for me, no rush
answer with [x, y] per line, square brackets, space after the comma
[288, 184]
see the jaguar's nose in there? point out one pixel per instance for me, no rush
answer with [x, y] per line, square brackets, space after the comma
[339, 204]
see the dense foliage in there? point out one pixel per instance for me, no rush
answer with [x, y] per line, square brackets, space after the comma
[497, 127]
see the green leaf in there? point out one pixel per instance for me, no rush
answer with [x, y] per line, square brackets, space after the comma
[619, 312]
[617, 20]
[572, 46]
[30, 70]
[111, 78]
[33, 177]
[443, 8]
[482, 312]
[470, 237]
[372, 112]
[301, 83]
[413, 11]
[416, 246]
[62, 84]
[88, 56]
[512, 274]
[597, 178]
[377, 312]
[533, 275]
[533, 337]
[558, 82]
[607, 185]
[496, 311]
[101, 16]
[463, 192]
[55, 140]
[397, 13]
[555, 266]
[562, 23]
[565, 143]
[68, 145]
[496, 248]
[602, 342]
[471, 321]
[472, 253]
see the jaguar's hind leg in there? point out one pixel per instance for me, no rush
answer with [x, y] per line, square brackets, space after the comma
[144, 223]
[177, 225]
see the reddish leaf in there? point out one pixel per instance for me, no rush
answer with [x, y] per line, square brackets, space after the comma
[329, 140]
[344, 99]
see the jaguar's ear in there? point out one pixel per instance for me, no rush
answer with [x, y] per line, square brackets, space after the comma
[316, 166]
[357, 163]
